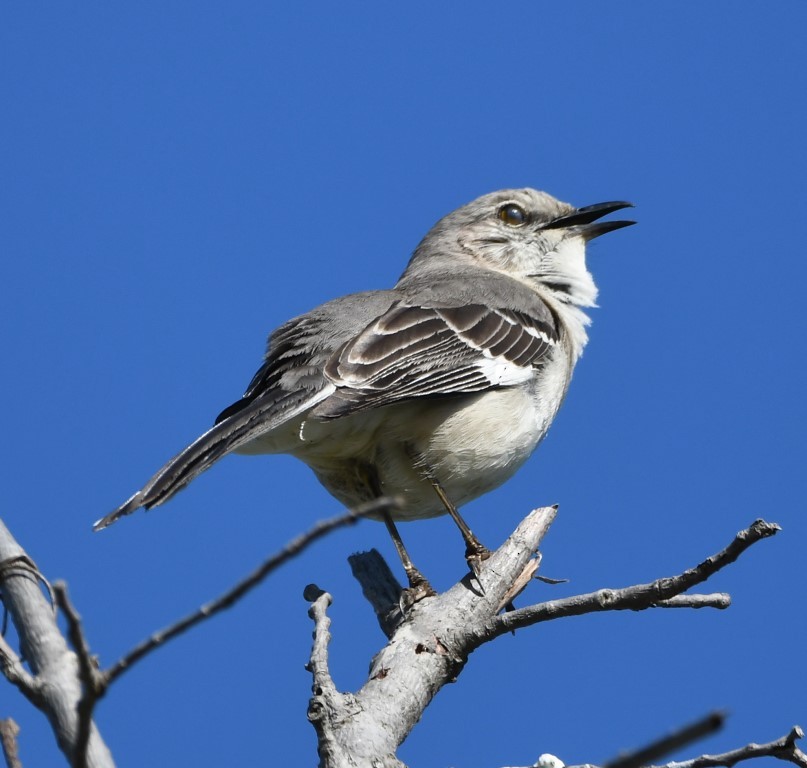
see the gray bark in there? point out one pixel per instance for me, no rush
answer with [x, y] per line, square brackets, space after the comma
[428, 648]
[54, 685]
[430, 641]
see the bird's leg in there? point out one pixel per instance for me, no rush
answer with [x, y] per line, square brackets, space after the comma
[419, 586]
[475, 550]
[418, 583]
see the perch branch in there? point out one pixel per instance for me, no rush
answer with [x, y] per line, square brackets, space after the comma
[428, 649]
[431, 644]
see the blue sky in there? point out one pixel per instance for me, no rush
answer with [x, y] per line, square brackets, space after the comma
[178, 179]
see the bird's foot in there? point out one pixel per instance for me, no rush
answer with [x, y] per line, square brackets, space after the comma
[418, 588]
[475, 554]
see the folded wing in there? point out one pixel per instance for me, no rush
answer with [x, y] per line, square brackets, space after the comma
[429, 351]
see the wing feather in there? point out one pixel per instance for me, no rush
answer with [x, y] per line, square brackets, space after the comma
[418, 351]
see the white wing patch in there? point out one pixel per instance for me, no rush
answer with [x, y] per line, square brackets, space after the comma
[502, 373]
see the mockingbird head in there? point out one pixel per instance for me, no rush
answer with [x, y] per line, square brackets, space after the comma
[524, 233]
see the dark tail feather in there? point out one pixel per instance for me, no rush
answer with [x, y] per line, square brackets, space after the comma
[237, 429]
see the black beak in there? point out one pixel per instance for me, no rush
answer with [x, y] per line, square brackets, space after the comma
[582, 219]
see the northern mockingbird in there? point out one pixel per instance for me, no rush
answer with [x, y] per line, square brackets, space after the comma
[435, 391]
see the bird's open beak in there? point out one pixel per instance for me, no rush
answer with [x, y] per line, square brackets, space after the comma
[583, 219]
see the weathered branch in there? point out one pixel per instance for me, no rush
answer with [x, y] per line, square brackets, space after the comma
[93, 683]
[327, 701]
[662, 593]
[66, 685]
[55, 685]
[430, 645]
[782, 749]
[428, 649]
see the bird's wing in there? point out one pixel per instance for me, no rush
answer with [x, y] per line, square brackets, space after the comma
[415, 351]
[290, 382]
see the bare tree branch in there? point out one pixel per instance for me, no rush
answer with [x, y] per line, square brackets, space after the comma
[428, 650]
[339, 744]
[431, 644]
[9, 730]
[674, 741]
[55, 686]
[782, 749]
[656, 594]
[233, 595]
[94, 684]
[69, 701]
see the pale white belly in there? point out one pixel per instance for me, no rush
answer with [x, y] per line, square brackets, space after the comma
[471, 444]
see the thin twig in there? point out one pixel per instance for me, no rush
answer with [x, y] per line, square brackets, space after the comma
[229, 598]
[9, 730]
[782, 749]
[658, 593]
[666, 745]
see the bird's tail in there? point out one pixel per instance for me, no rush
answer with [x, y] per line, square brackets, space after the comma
[240, 427]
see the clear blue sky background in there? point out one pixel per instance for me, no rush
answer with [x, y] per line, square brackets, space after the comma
[178, 179]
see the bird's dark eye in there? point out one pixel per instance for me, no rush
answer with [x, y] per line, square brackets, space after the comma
[513, 214]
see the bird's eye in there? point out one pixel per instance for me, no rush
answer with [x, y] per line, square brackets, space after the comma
[513, 214]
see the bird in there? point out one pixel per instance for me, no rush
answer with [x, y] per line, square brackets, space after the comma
[435, 391]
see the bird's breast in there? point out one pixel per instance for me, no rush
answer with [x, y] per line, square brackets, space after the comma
[470, 443]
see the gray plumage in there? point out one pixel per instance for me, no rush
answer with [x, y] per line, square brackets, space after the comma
[455, 374]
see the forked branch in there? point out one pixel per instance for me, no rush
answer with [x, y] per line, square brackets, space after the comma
[69, 699]
[431, 643]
